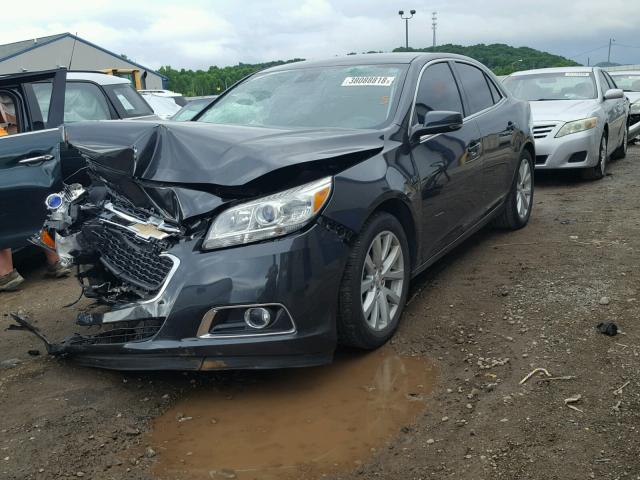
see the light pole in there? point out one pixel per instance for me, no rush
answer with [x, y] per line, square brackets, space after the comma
[434, 25]
[406, 25]
[611, 40]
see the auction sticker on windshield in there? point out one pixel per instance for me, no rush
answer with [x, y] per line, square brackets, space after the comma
[368, 81]
[576, 74]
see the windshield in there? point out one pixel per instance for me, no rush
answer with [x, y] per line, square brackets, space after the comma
[347, 97]
[128, 101]
[552, 86]
[629, 82]
[190, 110]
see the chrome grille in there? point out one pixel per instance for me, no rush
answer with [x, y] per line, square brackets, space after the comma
[543, 130]
[131, 259]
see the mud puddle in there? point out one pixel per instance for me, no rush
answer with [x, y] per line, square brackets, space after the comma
[293, 423]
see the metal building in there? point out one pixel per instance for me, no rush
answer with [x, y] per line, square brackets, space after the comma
[55, 51]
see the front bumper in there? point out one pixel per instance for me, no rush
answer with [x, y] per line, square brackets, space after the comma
[578, 150]
[301, 272]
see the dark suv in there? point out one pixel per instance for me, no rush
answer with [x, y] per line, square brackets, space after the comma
[33, 158]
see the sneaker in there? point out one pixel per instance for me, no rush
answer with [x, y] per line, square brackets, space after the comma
[10, 281]
[57, 271]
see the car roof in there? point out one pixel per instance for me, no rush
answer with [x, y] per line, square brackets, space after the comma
[624, 72]
[99, 78]
[555, 70]
[370, 59]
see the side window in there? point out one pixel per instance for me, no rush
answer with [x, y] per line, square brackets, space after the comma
[8, 115]
[42, 92]
[475, 85]
[495, 93]
[437, 91]
[84, 101]
[610, 80]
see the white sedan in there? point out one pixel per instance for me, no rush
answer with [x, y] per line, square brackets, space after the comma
[580, 117]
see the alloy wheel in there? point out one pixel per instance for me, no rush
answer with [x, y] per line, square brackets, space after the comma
[382, 280]
[524, 189]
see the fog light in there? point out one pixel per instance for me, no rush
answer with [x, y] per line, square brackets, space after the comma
[257, 317]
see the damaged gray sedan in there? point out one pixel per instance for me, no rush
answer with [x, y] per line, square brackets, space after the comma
[290, 216]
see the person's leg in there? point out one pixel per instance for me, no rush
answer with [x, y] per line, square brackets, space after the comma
[10, 279]
[52, 257]
[54, 268]
[6, 262]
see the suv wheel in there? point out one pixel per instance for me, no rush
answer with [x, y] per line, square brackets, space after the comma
[375, 284]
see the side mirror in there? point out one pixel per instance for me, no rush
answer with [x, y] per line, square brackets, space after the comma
[437, 122]
[613, 94]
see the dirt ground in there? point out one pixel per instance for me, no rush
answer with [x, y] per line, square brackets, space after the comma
[499, 306]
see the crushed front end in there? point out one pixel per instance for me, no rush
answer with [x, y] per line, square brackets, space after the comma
[163, 301]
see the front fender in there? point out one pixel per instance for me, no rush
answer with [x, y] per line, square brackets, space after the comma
[361, 189]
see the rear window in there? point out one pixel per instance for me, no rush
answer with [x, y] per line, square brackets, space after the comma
[128, 101]
[476, 86]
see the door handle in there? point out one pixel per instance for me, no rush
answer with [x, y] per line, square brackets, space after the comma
[474, 149]
[38, 159]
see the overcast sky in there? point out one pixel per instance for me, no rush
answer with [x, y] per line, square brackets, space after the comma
[196, 34]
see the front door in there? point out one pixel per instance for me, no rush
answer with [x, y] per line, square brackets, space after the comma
[615, 110]
[29, 153]
[449, 165]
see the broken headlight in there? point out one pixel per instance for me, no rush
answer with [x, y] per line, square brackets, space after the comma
[268, 217]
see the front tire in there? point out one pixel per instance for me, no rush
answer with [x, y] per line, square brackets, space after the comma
[600, 170]
[375, 284]
[517, 208]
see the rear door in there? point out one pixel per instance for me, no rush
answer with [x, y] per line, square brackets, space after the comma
[29, 153]
[449, 164]
[484, 103]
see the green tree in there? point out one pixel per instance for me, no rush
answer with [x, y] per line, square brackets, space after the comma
[214, 80]
[502, 59]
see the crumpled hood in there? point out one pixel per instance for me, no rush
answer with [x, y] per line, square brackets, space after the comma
[562, 110]
[192, 153]
[187, 168]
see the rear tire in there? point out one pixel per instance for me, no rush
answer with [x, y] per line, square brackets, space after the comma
[375, 284]
[621, 151]
[519, 203]
[600, 170]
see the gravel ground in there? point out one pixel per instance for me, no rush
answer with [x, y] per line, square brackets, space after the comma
[498, 307]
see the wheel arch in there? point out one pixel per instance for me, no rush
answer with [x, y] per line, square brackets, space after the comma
[529, 147]
[401, 210]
